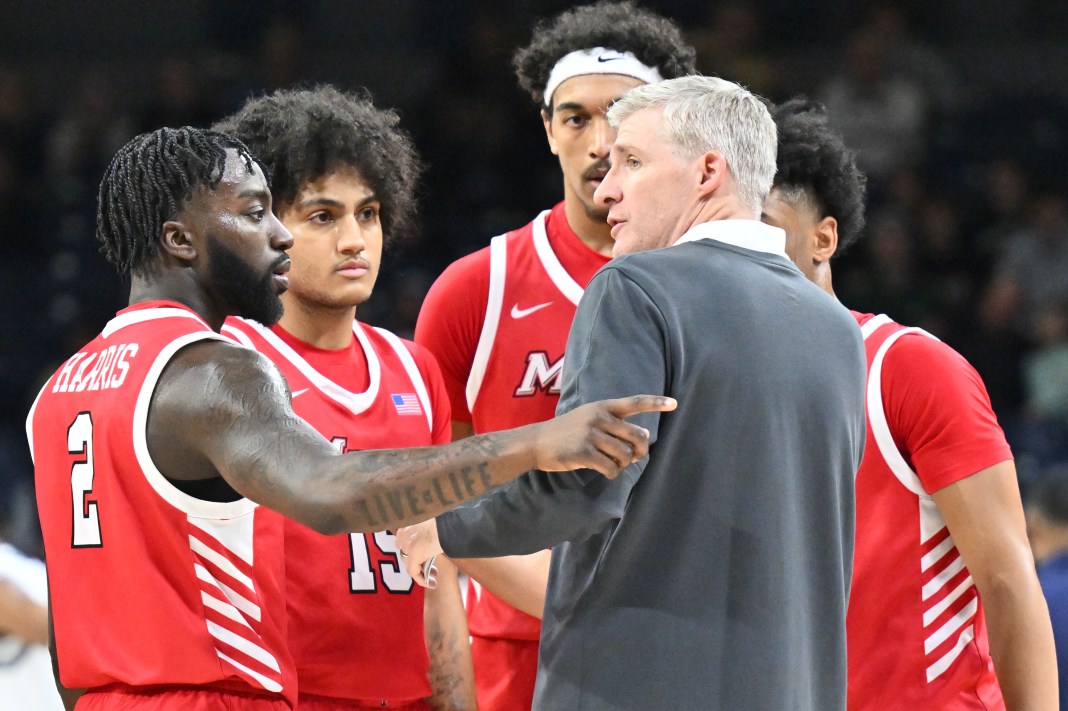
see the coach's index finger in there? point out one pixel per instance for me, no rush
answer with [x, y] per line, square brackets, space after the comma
[627, 406]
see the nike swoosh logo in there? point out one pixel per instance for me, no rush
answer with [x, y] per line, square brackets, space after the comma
[603, 58]
[522, 313]
[299, 392]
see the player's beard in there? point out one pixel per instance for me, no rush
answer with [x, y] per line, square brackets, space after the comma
[238, 286]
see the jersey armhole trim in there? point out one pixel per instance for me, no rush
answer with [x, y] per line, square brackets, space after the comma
[494, 304]
[553, 267]
[29, 417]
[880, 429]
[414, 375]
[167, 491]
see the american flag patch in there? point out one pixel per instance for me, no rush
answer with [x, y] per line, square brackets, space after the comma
[407, 404]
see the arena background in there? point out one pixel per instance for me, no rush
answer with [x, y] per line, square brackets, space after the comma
[960, 113]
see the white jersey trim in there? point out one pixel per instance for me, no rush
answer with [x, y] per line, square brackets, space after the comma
[563, 281]
[414, 375]
[494, 304]
[29, 418]
[872, 324]
[134, 317]
[877, 416]
[931, 521]
[239, 336]
[268, 684]
[938, 668]
[356, 403]
[166, 490]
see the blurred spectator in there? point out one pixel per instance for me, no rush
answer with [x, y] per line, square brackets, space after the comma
[91, 127]
[912, 58]
[1001, 205]
[1046, 368]
[995, 348]
[1033, 261]
[946, 263]
[892, 282]
[21, 129]
[181, 97]
[881, 112]
[26, 681]
[1047, 520]
[731, 45]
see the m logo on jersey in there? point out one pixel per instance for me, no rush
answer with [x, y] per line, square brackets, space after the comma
[540, 375]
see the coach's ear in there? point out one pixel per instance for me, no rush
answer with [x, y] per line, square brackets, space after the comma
[825, 238]
[177, 241]
[712, 172]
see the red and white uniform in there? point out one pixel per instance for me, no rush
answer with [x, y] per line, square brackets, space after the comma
[150, 586]
[355, 615]
[916, 630]
[497, 322]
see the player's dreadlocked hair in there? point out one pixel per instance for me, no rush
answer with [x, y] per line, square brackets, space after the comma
[303, 135]
[656, 41]
[814, 166]
[148, 182]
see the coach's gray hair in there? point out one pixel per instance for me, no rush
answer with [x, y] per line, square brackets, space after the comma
[708, 113]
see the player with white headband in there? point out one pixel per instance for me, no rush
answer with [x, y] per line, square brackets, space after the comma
[497, 320]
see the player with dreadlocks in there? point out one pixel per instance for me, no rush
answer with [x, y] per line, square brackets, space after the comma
[152, 442]
[497, 320]
[945, 611]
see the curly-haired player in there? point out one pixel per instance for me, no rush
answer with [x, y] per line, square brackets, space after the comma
[944, 587]
[497, 320]
[344, 178]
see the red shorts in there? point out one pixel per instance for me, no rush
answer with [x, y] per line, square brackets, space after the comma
[308, 702]
[505, 670]
[120, 698]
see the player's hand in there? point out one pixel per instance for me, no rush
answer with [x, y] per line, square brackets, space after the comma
[595, 436]
[419, 544]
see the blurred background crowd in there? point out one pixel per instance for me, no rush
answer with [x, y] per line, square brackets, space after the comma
[959, 111]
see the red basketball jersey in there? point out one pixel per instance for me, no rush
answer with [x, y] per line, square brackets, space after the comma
[149, 585]
[497, 321]
[355, 615]
[916, 630]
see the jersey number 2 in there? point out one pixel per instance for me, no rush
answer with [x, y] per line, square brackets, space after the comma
[86, 531]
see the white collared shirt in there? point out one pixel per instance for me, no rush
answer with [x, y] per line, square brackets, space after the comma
[747, 234]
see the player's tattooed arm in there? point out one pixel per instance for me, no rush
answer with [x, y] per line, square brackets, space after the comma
[448, 643]
[223, 410]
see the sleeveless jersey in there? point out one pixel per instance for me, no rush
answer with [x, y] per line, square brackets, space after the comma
[516, 304]
[355, 615]
[916, 631]
[497, 321]
[150, 586]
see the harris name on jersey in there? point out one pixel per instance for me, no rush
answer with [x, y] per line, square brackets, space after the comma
[95, 370]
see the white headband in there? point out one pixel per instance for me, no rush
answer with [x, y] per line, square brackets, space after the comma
[598, 60]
